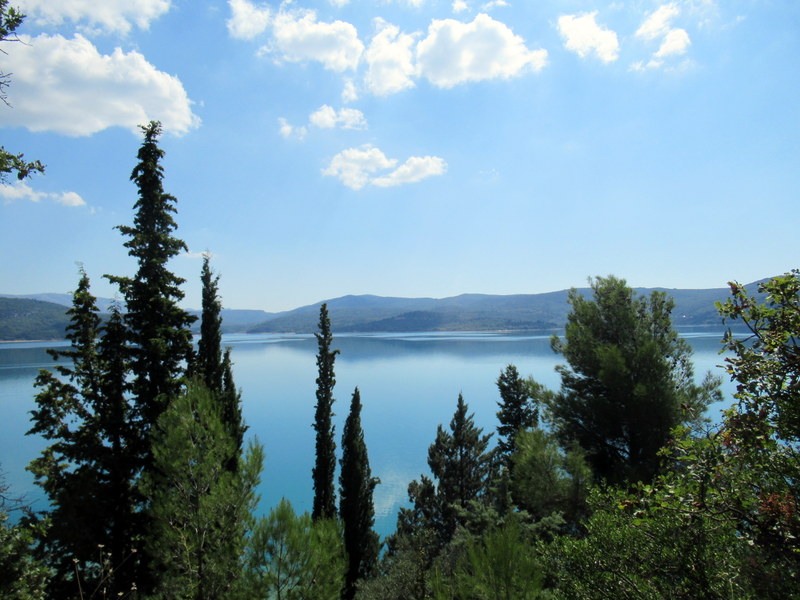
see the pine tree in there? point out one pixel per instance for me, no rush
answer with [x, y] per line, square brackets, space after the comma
[158, 329]
[199, 509]
[516, 413]
[461, 465]
[323, 472]
[85, 471]
[628, 383]
[356, 509]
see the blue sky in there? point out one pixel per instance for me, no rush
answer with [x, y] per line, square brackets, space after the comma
[409, 147]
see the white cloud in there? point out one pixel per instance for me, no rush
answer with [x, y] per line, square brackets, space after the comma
[390, 59]
[22, 191]
[494, 4]
[67, 86]
[414, 169]
[339, 3]
[659, 23]
[355, 166]
[247, 19]
[456, 52]
[349, 92]
[117, 16]
[326, 117]
[460, 6]
[675, 43]
[288, 131]
[584, 36]
[298, 36]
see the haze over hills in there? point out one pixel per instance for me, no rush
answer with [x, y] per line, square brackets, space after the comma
[42, 316]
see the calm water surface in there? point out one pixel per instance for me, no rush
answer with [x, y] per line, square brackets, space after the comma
[409, 383]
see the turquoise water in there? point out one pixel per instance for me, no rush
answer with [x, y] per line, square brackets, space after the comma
[409, 383]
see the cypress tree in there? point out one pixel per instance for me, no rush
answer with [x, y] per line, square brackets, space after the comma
[356, 509]
[158, 329]
[209, 354]
[323, 472]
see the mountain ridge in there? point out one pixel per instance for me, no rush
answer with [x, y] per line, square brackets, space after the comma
[42, 316]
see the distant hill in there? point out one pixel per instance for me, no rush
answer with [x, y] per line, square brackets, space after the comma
[474, 312]
[41, 316]
[26, 319]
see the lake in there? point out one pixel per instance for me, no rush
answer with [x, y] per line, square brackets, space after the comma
[409, 383]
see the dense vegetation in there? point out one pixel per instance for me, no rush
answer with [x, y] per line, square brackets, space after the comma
[612, 486]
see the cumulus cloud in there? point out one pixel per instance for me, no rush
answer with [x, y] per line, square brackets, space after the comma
[454, 52]
[288, 131]
[674, 41]
[659, 23]
[247, 19]
[349, 91]
[22, 191]
[117, 16]
[584, 36]
[298, 37]
[355, 168]
[460, 6]
[390, 59]
[326, 117]
[67, 86]
[414, 169]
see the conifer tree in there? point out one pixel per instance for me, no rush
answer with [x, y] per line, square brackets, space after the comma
[629, 380]
[199, 509]
[461, 465]
[516, 413]
[356, 508]
[209, 354]
[85, 471]
[214, 366]
[158, 329]
[325, 463]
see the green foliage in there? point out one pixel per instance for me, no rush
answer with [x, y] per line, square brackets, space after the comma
[499, 565]
[517, 411]
[208, 362]
[22, 575]
[461, 464]
[546, 481]
[85, 471]
[325, 462]
[356, 509]
[200, 510]
[159, 334]
[10, 20]
[629, 380]
[292, 557]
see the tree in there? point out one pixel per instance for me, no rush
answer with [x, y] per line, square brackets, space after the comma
[10, 20]
[356, 509]
[499, 565]
[85, 471]
[292, 557]
[199, 509]
[461, 464]
[325, 463]
[628, 382]
[214, 366]
[159, 336]
[517, 412]
[208, 362]
[23, 576]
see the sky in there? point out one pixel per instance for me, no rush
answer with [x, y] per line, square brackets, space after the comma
[408, 147]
